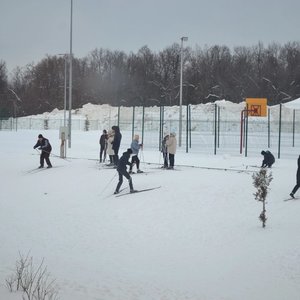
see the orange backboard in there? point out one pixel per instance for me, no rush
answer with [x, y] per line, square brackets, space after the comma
[257, 107]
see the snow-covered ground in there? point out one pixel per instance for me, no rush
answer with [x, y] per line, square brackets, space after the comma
[197, 237]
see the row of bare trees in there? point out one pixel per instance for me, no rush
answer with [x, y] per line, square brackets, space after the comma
[149, 78]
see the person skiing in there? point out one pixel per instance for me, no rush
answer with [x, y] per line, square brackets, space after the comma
[296, 187]
[116, 143]
[135, 147]
[103, 145]
[171, 143]
[268, 160]
[45, 148]
[164, 150]
[122, 171]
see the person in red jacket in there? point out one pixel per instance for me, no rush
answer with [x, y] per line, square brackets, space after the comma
[45, 148]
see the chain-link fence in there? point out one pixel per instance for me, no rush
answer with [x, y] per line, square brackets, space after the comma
[204, 127]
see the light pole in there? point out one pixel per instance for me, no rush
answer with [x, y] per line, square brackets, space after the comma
[65, 56]
[15, 106]
[183, 39]
[70, 77]
[63, 132]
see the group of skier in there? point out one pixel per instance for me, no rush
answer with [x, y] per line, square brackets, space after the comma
[106, 142]
[110, 144]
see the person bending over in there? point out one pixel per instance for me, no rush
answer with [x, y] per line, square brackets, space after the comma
[122, 171]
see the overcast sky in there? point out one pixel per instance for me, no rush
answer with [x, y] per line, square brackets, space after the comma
[30, 29]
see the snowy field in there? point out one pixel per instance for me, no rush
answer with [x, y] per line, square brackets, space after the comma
[198, 237]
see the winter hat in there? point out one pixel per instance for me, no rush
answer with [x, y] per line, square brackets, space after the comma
[129, 151]
[40, 136]
[263, 152]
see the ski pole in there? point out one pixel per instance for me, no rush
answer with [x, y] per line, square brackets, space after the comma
[52, 154]
[108, 183]
[142, 155]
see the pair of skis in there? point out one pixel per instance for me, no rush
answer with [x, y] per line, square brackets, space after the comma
[36, 170]
[289, 199]
[137, 191]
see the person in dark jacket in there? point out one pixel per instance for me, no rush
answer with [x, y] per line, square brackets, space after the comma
[116, 143]
[164, 150]
[122, 171]
[268, 160]
[45, 148]
[296, 187]
[103, 145]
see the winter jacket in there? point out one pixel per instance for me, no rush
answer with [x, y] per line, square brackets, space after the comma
[110, 140]
[269, 159]
[164, 148]
[123, 162]
[103, 140]
[117, 139]
[43, 145]
[171, 143]
[135, 147]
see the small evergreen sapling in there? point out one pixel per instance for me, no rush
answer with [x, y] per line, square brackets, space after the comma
[261, 181]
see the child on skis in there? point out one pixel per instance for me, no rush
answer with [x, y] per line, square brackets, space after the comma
[135, 147]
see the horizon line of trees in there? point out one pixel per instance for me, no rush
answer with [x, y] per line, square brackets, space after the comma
[148, 78]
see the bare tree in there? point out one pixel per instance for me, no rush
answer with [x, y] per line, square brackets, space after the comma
[34, 282]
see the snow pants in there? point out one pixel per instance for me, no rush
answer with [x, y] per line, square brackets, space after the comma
[126, 175]
[45, 156]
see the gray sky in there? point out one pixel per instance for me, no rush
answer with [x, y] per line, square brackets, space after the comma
[30, 29]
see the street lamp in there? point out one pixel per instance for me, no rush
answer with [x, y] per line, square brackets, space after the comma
[183, 39]
[15, 106]
[63, 131]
